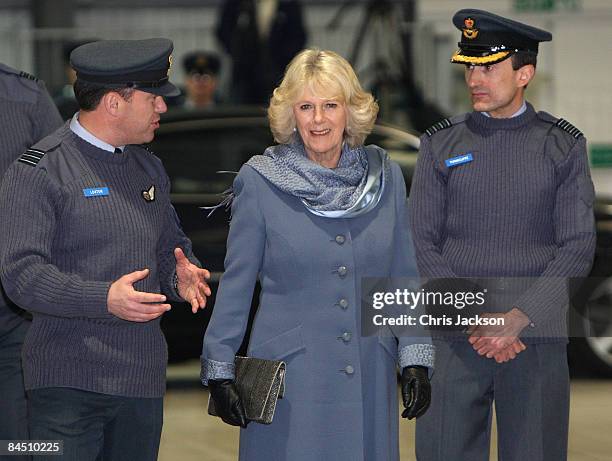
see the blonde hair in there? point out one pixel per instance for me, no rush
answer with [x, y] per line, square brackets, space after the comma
[329, 75]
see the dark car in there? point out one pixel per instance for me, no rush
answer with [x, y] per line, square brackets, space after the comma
[203, 150]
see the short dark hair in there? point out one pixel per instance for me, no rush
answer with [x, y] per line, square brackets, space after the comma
[523, 58]
[89, 95]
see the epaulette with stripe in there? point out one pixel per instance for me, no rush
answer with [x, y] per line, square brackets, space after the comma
[31, 156]
[446, 123]
[441, 125]
[569, 128]
[28, 76]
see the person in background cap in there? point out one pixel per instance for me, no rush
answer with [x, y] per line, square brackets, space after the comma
[504, 194]
[64, 99]
[95, 253]
[28, 114]
[201, 73]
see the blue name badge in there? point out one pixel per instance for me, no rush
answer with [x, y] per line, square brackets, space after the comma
[460, 160]
[95, 192]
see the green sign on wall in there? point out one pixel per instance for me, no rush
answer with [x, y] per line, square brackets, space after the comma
[546, 5]
[601, 155]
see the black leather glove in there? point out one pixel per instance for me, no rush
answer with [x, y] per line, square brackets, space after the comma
[227, 402]
[416, 391]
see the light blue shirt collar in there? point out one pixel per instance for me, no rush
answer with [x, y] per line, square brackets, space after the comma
[516, 114]
[85, 135]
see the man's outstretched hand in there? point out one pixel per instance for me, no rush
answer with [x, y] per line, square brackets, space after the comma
[192, 286]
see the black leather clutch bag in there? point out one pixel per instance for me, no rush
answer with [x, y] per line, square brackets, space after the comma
[259, 383]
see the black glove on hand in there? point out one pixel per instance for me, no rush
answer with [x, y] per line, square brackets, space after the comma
[227, 402]
[416, 391]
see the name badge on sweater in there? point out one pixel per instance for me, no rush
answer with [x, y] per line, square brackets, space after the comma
[95, 192]
[459, 160]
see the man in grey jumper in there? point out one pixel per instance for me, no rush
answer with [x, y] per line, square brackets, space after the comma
[94, 251]
[502, 194]
[27, 114]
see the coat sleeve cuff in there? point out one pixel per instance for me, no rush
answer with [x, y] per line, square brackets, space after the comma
[211, 369]
[417, 354]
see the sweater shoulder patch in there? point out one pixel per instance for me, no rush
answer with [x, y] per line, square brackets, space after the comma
[443, 124]
[561, 123]
[34, 154]
[28, 76]
[149, 162]
[569, 128]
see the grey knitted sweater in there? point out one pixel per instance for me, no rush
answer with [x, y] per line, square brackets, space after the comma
[27, 114]
[522, 208]
[65, 246]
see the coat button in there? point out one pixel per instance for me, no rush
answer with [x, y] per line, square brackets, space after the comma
[340, 239]
[349, 370]
[343, 303]
[346, 336]
[342, 270]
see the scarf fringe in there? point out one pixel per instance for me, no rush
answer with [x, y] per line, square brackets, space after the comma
[227, 200]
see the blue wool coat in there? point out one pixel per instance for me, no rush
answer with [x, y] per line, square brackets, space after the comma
[341, 388]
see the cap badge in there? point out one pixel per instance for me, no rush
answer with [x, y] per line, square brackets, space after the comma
[170, 61]
[469, 32]
[149, 195]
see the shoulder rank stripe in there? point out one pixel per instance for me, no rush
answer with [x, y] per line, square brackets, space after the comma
[27, 162]
[568, 127]
[36, 151]
[28, 76]
[442, 124]
[31, 157]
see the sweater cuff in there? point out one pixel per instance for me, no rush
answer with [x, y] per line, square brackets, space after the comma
[95, 299]
[169, 286]
[545, 301]
[211, 369]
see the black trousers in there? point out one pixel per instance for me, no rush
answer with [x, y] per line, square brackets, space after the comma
[96, 427]
[13, 407]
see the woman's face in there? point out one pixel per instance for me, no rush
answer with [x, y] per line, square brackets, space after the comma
[321, 123]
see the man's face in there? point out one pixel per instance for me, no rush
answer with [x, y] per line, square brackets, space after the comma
[140, 117]
[497, 88]
[201, 88]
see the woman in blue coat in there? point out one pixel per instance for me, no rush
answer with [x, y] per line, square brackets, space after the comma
[311, 217]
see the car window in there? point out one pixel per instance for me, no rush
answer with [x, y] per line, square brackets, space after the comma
[194, 155]
[195, 151]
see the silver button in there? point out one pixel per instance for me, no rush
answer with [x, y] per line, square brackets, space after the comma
[349, 370]
[340, 239]
[346, 336]
[342, 270]
[343, 303]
